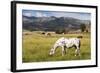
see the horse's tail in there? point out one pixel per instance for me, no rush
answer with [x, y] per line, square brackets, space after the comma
[79, 43]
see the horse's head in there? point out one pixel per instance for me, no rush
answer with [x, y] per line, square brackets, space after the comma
[52, 51]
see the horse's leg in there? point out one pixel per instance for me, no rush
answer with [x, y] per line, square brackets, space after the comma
[77, 51]
[63, 50]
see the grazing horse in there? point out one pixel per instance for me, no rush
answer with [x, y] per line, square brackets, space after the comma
[65, 43]
[48, 34]
[80, 37]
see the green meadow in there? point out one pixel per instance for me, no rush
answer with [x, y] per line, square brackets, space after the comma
[36, 47]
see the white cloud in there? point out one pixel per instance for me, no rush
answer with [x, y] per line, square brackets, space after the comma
[39, 14]
[27, 14]
[83, 16]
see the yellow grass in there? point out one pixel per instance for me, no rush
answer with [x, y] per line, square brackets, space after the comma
[36, 47]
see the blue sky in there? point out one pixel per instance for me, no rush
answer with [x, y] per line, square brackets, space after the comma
[37, 13]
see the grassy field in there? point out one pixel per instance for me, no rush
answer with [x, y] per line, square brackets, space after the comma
[36, 47]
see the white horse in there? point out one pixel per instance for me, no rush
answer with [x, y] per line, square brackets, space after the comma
[65, 43]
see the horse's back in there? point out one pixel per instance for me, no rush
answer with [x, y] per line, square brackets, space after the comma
[75, 40]
[60, 40]
[72, 41]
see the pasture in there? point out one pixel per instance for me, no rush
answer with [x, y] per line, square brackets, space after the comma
[36, 47]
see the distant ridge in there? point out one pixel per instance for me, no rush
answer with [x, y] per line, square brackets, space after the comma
[52, 23]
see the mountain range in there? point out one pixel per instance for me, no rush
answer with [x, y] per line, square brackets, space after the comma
[52, 23]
